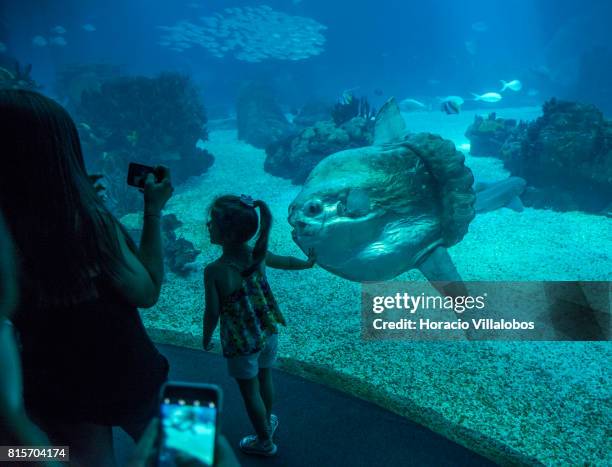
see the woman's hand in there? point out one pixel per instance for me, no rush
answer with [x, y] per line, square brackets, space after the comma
[157, 190]
[144, 452]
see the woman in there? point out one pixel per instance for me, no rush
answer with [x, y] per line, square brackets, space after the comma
[88, 362]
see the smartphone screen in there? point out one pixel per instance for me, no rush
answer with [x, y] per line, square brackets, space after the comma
[188, 424]
[137, 174]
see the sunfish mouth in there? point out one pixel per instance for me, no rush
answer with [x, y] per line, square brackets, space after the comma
[301, 231]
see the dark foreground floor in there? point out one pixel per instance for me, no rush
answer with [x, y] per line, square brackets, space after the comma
[318, 426]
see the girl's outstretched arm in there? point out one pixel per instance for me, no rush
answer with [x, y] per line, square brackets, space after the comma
[290, 262]
[211, 310]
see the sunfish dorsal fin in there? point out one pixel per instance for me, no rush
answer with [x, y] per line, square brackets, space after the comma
[390, 125]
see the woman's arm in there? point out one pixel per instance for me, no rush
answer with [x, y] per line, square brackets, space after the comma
[211, 311]
[134, 282]
[290, 262]
[140, 283]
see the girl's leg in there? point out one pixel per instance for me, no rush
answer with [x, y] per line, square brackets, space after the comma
[266, 390]
[256, 409]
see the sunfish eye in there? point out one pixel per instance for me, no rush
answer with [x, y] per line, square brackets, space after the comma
[313, 207]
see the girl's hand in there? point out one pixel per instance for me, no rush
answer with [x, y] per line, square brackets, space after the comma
[312, 257]
[157, 193]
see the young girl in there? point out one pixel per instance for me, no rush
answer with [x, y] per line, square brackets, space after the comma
[237, 291]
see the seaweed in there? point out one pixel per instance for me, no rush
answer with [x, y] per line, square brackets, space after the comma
[19, 78]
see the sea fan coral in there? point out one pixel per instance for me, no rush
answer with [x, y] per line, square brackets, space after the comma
[251, 34]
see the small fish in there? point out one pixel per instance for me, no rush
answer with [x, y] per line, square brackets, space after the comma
[58, 30]
[471, 47]
[89, 27]
[410, 105]
[532, 92]
[39, 41]
[480, 26]
[346, 98]
[2, 47]
[450, 107]
[132, 137]
[514, 85]
[455, 99]
[490, 97]
[58, 40]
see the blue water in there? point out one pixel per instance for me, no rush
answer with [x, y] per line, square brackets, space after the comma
[420, 50]
[406, 49]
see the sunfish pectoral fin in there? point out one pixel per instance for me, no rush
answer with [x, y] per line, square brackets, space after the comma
[516, 204]
[480, 186]
[440, 271]
[389, 125]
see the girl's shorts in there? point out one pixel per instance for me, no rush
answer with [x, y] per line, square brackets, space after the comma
[247, 366]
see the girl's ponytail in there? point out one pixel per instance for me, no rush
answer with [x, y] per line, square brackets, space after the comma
[265, 223]
[261, 245]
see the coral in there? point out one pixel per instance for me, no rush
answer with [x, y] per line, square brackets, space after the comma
[355, 107]
[72, 80]
[260, 119]
[566, 154]
[487, 135]
[18, 78]
[251, 34]
[152, 121]
[311, 113]
[295, 156]
[179, 253]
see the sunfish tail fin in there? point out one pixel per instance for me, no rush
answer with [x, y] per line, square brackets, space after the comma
[476, 96]
[504, 85]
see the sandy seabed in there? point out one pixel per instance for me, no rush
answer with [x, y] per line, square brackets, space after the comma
[530, 402]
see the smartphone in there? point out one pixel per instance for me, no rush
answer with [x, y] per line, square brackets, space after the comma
[189, 422]
[137, 174]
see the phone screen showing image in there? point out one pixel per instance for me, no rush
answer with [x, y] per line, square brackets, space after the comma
[188, 427]
[137, 174]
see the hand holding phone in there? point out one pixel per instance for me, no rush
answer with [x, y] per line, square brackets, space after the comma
[189, 420]
[154, 182]
[137, 174]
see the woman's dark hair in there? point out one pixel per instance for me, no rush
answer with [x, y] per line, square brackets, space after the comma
[8, 273]
[237, 220]
[64, 234]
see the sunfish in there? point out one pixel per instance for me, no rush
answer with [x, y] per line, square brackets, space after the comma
[505, 193]
[375, 212]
